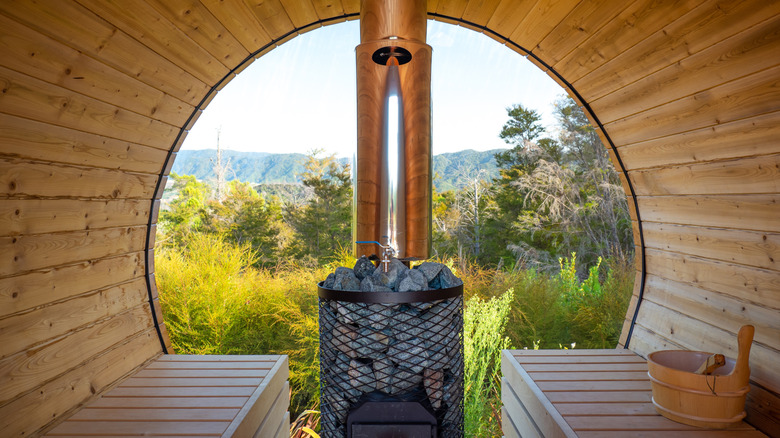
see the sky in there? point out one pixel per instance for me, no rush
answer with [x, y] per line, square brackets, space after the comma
[301, 96]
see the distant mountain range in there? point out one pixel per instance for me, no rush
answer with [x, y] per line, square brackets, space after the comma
[451, 170]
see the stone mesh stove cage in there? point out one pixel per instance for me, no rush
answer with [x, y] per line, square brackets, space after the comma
[398, 348]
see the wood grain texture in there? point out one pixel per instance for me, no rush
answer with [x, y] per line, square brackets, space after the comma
[36, 288]
[625, 410]
[241, 23]
[742, 212]
[34, 252]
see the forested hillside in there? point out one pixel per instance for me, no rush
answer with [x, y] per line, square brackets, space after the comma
[266, 168]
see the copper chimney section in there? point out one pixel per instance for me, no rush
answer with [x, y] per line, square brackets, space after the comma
[393, 173]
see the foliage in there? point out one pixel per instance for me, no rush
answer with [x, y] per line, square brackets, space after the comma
[322, 225]
[484, 324]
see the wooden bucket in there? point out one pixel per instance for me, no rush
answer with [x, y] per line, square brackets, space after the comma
[713, 401]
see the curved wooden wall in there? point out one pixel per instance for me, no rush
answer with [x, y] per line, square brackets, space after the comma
[97, 96]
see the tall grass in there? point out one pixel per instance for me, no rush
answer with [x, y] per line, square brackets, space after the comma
[215, 302]
[484, 324]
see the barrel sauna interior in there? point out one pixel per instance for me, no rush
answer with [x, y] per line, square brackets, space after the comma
[97, 97]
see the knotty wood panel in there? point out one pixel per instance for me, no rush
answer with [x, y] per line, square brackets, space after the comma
[27, 139]
[39, 56]
[711, 306]
[272, 17]
[721, 63]
[37, 288]
[747, 96]
[745, 212]
[508, 15]
[142, 22]
[631, 26]
[27, 253]
[742, 138]
[25, 371]
[749, 248]
[78, 27]
[61, 396]
[31, 179]
[700, 30]
[34, 99]
[40, 216]
[760, 286]
[240, 21]
[25, 331]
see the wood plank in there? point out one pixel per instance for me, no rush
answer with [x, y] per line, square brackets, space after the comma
[515, 415]
[89, 414]
[40, 216]
[40, 251]
[617, 397]
[31, 179]
[584, 20]
[196, 22]
[672, 434]
[34, 99]
[507, 15]
[630, 27]
[284, 427]
[763, 409]
[743, 212]
[272, 17]
[693, 334]
[758, 286]
[603, 409]
[622, 385]
[711, 306]
[133, 16]
[742, 138]
[563, 355]
[508, 427]
[184, 391]
[540, 21]
[24, 332]
[748, 96]
[109, 401]
[30, 140]
[26, 50]
[72, 24]
[454, 8]
[219, 358]
[351, 6]
[57, 398]
[583, 367]
[222, 365]
[201, 373]
[270, 423]
[751, 50]
[586, 376]
[575, 360]
[328, 9]
[170, 428]
[480, 11]
[750, 248]
[262, 400]
[548, 420]
[200, 382]
[703, 29]
[25, 371]
[640, 422]
[742, 175]
[240, 21]
[301, 12]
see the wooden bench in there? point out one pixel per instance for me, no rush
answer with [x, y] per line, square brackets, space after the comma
[187, 395]
[587, 393]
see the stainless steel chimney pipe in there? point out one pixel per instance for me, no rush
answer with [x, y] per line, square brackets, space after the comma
[392, 185]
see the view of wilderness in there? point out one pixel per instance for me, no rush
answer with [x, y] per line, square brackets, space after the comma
[539, 232]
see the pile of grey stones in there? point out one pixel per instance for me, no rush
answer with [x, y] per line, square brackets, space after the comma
[392, 349]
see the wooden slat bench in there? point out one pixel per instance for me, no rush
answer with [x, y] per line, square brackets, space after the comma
[587, 393]
[187, 395]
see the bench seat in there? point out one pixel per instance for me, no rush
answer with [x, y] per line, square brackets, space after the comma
[587, 393]
[191, 395]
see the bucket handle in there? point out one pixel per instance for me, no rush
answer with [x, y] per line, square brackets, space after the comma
[744, 342]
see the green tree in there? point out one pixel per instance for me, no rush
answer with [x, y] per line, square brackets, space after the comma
[323, 224]
[188, 213]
